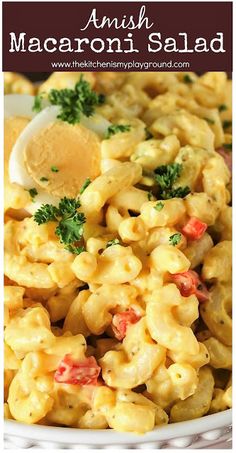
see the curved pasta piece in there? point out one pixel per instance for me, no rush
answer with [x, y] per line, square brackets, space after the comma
[96, 309]
[18, 268]
[91, 420]
[199, 403]
[171, 213]
[192, 160]
[216, 313]
[115, 265]
[166, 258]
[74, 320]
[220, 354]
[187, 312]
[218, 402]
[26, 403]
[71, 402]
[217, 259]
[153, 153]
[195, 360]
[189, 129]
[164, 326]
[121, 145]
[25, 273]
[197, 250]
[132, 230]
[223, 224]
[132, 417]
[135, 363]
[167, 385]
[215, 177]
[130, 198]
[202, 206]
[108, 184]
[29, 330]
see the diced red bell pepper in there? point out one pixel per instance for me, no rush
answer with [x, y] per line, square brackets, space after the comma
[81, 372]
[121, 321]
[194, 228]
[189, 283]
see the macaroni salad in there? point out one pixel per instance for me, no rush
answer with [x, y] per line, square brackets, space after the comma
[117, 249]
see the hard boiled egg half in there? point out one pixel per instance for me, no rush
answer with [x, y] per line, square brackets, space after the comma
[48, 154]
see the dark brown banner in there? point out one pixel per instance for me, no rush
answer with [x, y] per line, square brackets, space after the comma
[117, 36]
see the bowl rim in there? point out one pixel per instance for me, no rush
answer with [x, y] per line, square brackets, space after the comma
[104, 436]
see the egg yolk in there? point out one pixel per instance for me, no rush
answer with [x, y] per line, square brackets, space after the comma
[60, 157]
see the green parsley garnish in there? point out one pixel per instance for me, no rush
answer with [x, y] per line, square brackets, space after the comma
[43, 179]
[75, 250]
[149, 135]
[222, 108]
[166, 176]
[209, 120]
[54, 169]
[112, 242]
[179, 192]
[70, 222]
[46, 213]
[159, 206]
[228, 146]
[68, 206]
[115, 129]
[82, 100]
[33, 192]
[70, 228]
[85, 185]
[187, 79]
[227, 124]
[37, 107]
[175, 238]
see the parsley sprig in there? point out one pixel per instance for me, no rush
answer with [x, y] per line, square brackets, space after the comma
[175, 239]
[70, 222]
[73, 103]
[115, 128]
[166, 176]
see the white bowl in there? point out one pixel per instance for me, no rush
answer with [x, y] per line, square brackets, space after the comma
[200, 433]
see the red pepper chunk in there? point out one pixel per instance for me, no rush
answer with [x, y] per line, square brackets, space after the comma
[81, 372]
[121, 321]
[189, 283]
[194, 228]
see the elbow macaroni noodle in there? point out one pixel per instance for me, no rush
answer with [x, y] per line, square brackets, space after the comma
[164, 367]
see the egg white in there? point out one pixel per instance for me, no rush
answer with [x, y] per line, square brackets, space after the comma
[22, 105]
[19, 105]
[96, 123]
